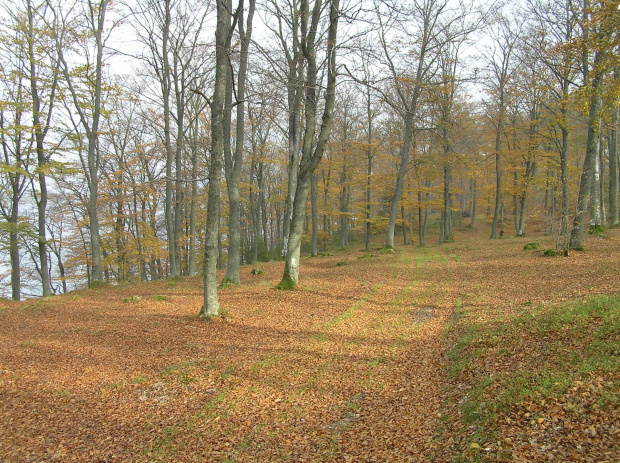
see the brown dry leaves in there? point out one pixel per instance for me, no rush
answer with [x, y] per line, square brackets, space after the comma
[346, 368]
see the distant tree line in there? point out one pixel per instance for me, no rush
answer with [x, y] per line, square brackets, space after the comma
[164, 138]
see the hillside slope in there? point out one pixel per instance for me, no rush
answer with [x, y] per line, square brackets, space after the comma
[368, 360]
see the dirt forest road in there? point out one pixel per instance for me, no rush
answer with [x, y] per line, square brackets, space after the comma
[348, 367]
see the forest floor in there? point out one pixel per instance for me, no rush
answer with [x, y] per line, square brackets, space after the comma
[475, 350]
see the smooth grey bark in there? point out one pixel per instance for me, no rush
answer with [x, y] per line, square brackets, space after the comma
[95, 13]
[435, 31]
[408, 99]
[498, 174]
[56, 249]
[595, 194]
[233, 163]
[192, 261]
[601, 182]
[314, 246]
[211, 305]
[179, 184]
[400, 180]
[343, 240]
[369, 159]
[254, 204]
[404, 219]
[166, 87]
[472, 222]
[564, 163]
[587, 174]
[16, 178]
[312, 149]
[557, 21]
[172, 37]
[613, 163]
[423, 198]
[500, 62]
[295, 87]
[446, 219]
[41, 123]
[326, 181]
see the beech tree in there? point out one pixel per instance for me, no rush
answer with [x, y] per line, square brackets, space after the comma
[426, 31]
[84, 84]
[613, 154]
[14, 170]
[43, 75]
[223, 36]
[501, 66]
[31, 77]
[233, 162]
[554, 28]
[312, 144]
[600, 36]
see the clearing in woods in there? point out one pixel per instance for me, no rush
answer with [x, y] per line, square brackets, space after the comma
[376, 356]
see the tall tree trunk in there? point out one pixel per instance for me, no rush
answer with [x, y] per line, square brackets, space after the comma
[233, 163]
[169, 207]
[447, 203]
[40, 133]
[498, 174]
[601, 183]
[472, 222]
[423, 199]
[15, 263]
[344, 207]
[211, 305]
[400, 180]
[262, 199]
[595, 195]
[404, 218]
[585, 184]
[192, 265]
[549, 218]
[179, 188]
[314, 249]
[369, 156]
[312, 149]
[564, 176]
[93, 150]
[613, 164]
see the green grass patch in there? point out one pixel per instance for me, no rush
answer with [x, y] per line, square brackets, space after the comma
[186, 372]
[140, 379]
[537, 355]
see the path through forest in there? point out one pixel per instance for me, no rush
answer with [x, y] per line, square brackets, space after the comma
[348, 367]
